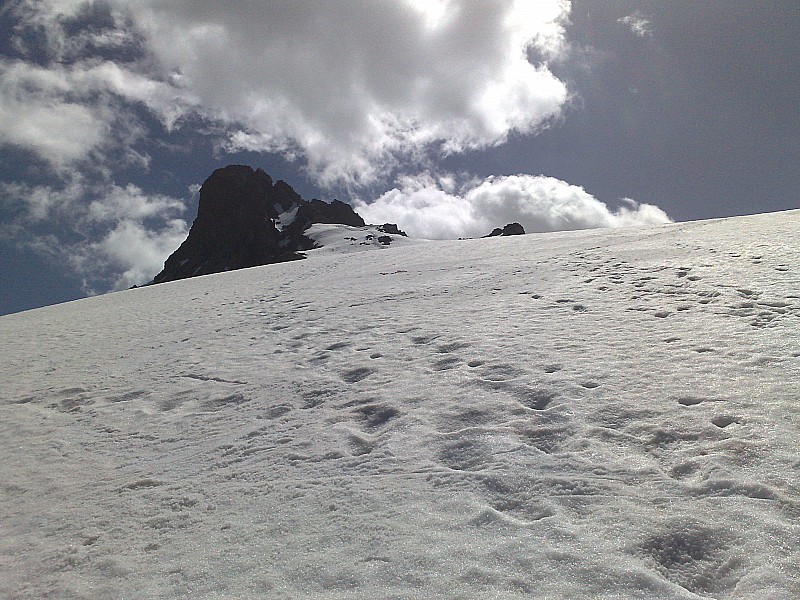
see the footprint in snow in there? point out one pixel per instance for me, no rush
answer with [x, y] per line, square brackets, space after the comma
[724, 421]
[421, 340]
[359, 445]
[376, 416]
[695, 557]
[547, 439]
[451, 347]
[465, 453]
[338, 346]
[445, 364]
[694, 400]
[500, 372]
[356, 375]
[534, 398]
[472, 417]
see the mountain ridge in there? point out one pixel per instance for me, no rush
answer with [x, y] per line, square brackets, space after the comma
[246, 220]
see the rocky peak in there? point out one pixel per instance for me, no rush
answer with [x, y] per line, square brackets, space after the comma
[285, 197]
[235, 225]
[233, 196]
[318, 211]
[392, 228]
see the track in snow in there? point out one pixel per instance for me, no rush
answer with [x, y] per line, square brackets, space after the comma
[563, 415]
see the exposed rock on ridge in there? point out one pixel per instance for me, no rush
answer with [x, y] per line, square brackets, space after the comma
[510, 229]
[317, 211]
[392, 228]
[237, 224]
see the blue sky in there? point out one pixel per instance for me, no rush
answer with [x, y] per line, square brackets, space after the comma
[450, 118]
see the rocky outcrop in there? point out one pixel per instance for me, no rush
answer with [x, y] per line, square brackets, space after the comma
[510, 229]
[391, 228]
[237, 224]
[318, 211]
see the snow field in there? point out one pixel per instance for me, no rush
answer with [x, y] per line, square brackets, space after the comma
[585, 415]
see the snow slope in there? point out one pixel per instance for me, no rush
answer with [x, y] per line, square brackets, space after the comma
[596, 414]
[343, 239]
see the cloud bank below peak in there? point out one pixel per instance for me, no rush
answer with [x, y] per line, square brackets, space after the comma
[436, 208]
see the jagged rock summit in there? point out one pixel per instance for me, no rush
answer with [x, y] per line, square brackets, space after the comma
[244, 220]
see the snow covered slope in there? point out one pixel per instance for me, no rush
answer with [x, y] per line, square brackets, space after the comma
[343, 239]
[608, 413]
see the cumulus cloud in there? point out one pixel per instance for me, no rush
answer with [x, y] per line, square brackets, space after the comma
[435, 208]
[36, 114]
[354, 87]
[130, 254]
[67, 113]
[111, 236]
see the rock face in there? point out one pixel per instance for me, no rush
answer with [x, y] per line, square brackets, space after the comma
[237, 224]
[318, 211]
[392, 228]
[510, 229]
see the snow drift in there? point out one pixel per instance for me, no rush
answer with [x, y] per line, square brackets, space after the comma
[584, 414]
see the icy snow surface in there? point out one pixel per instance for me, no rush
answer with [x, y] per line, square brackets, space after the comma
[572, 415]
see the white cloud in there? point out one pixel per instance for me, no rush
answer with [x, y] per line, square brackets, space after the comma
[354, 87]
[66, 31]
[638, 24]
[64, 113]
[135, 231]
[422, 207]
[130, 203]
[36, 113]
[135, 252]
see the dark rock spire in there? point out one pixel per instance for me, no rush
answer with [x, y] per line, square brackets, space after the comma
[235, 225]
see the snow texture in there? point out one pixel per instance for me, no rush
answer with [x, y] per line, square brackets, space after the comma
[593, 414]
